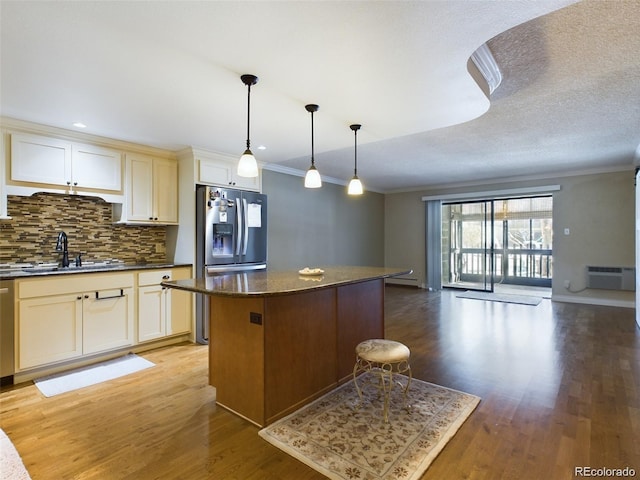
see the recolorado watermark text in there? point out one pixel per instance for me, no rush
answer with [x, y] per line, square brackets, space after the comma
[604, 472]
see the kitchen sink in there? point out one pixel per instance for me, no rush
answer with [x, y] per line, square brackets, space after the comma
[69, 269]
[40, 269]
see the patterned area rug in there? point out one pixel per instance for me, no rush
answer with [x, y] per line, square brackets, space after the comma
[345, 441]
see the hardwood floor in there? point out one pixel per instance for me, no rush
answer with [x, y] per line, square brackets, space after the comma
[560, 388]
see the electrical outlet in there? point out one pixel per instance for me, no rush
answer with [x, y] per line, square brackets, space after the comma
[567, 284]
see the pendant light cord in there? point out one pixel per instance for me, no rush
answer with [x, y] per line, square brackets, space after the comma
[248, 112]
[355, 149]
[312, 146]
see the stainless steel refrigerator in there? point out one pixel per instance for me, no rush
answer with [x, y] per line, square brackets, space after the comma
[231, 237]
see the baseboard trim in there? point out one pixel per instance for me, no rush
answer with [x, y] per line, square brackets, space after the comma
[607, 302]
[50, 369]
[411, 282]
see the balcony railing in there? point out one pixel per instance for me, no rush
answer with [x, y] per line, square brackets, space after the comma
[514, 266]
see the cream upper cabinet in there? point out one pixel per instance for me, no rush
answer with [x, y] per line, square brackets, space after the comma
[139, 195]
[3, 193]
[165, 190]
[221, 171]
[75, 167]
[152, 190]
[96, 167]
[38, 159]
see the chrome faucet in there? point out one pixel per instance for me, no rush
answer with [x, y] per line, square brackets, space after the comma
[62, 246]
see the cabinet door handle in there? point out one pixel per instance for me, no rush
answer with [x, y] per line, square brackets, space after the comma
[79, 298]
[98, 297]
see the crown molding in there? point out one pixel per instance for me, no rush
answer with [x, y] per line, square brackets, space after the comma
[488, 67]
[274, 167]
[14, 125]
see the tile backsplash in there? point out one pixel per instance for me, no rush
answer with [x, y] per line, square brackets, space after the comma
[30, 236]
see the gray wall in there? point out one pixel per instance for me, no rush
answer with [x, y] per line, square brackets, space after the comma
[314, 227]
[598, 209]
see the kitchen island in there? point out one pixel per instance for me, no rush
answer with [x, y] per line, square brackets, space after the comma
[279, 340]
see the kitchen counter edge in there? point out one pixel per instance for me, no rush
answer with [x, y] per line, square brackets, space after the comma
[21, 274]
[267, 283]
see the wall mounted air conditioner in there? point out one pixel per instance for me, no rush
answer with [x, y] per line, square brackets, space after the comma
[611, 278]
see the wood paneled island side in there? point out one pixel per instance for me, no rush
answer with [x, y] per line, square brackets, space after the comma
[279, 340]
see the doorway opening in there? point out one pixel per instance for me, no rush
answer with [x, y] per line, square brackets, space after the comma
[499, 244]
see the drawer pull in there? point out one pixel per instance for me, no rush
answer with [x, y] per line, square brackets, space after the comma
[98, 297]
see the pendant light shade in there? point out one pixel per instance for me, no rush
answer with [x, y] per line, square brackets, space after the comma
[355, 185]
[247, 166]
[312, 178]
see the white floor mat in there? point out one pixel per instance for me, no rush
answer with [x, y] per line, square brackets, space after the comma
[83, 377]
[504, 297]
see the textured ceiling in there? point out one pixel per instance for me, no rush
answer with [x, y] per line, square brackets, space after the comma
[166, 74]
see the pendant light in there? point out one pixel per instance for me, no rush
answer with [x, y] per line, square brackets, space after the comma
[312, 178]
[247, 166]
[355, 185]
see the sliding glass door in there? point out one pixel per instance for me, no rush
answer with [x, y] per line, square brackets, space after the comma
[499, 241]
[467, 245]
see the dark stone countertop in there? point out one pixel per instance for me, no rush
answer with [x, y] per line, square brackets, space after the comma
[268, 282]
[40, 271]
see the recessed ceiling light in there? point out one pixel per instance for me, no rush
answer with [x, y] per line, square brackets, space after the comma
[262, 147]
[79, 125]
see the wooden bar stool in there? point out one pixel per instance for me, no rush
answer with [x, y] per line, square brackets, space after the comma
[384, 358]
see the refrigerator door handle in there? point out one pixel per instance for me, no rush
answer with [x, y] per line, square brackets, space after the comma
[246, 226]
[239, 215]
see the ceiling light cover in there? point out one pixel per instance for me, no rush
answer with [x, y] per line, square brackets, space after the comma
[355, 185]
[247, 165]
[312, 179]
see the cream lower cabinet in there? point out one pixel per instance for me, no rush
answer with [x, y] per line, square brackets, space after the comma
[64, 318]
[49, 330]
[163, 312]
[107, 320]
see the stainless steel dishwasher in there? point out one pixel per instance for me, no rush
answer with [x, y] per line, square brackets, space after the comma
[6, 333]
